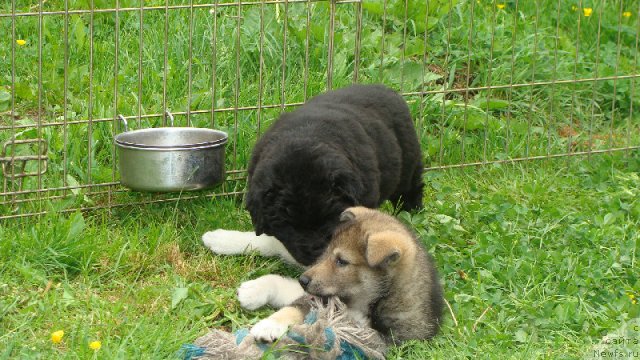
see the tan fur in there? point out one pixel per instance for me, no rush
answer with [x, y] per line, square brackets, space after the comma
[381, 246]
[288, 315]
[378, 268]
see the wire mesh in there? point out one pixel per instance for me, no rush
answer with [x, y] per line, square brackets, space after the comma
[487, 82]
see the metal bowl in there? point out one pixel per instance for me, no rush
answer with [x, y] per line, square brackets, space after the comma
[171, 158]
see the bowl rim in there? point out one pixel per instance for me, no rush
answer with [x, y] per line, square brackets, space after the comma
[199, 145]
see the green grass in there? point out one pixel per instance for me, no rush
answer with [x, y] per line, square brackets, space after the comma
[549, 248]
[446, 45]
[538, 259]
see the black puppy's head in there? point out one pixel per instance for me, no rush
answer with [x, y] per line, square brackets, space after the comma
[298, 196]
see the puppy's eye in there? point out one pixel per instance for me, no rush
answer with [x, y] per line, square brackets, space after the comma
[340, 262]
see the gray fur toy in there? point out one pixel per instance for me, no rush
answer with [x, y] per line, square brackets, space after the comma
[327, 333]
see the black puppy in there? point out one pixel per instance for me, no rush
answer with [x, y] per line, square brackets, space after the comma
[355, 146]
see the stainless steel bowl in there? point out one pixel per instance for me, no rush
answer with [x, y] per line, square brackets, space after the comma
[171, 158]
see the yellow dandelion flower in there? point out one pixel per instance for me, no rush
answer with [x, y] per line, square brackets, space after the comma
[95, 345]
[21, 42]
[626, 14]
[587, 11]
[501, 6]
[56, 336]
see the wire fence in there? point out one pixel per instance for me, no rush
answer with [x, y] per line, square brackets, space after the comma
[487, 82]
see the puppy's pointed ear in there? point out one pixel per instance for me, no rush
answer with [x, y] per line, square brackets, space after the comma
[386, 248]
[354, 211]
[347, 215]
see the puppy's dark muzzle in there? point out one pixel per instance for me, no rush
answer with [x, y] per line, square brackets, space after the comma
[304, 281]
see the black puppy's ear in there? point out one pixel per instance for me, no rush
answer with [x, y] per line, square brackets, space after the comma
[347, 215]
[348, 187]
[252, 204]
[257, 226]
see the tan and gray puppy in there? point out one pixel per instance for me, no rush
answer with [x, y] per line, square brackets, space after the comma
[379, 269]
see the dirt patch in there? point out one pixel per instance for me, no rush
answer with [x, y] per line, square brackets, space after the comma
[462, 79]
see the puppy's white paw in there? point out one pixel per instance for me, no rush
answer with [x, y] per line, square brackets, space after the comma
[253, 294]
[268, 330]
[225, 242]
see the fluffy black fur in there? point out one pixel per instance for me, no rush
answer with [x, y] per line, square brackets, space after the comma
[349, 147]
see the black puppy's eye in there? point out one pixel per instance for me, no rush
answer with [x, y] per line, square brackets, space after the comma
[340, 262]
